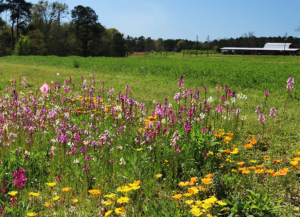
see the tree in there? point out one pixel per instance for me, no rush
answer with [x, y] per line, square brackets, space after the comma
[85, 19]
[45, 14]
[20, 12]
[23, 46]
[118, 45]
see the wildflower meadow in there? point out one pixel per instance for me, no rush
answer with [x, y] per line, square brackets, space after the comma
[75, 145]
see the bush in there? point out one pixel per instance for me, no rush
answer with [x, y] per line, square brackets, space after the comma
[23, 46]
[76, 64]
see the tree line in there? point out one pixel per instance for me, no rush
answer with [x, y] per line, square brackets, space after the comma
[38, 29]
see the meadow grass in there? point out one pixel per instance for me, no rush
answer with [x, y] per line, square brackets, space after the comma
[150, 79]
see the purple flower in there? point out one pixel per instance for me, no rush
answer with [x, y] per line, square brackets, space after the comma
[111, 161]
[290, 83]
[204, 129]
[267, 93]
[205, 88]
[83, 122]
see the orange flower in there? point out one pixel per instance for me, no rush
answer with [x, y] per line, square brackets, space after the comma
[248, 146]
[251, 136]
[270, 171]
[266, 159]
[95, 191]
[166, 161]
[209, 176]
[252, 168]
[260, 166]
[191, 183]
[276, 161]
[298, 153]
[137, 182]
[242, 168]
[46, 204]
[177, 196]
[193, 179]
[276, 174]
[245, 172]
[230, 134]
[218, 135]
[259, 171]
[253, 141]
[240, 163]
[206, 181]
[297, 167]
[67, 189]
[227, 151]
[233, 146]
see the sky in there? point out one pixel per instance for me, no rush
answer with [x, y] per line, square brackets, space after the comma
[179, 19]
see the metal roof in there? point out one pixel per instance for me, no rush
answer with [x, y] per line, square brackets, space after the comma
[268, 46]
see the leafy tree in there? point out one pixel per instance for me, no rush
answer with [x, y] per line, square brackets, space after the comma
[85, 20]
[23, 46]
[118, 45]
[20, 12]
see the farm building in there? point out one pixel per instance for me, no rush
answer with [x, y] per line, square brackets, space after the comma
[268, 49]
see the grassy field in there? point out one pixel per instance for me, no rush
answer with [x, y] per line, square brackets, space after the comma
[204, 154]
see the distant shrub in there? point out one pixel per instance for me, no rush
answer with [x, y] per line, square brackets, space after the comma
[23, 46]
[76, 64]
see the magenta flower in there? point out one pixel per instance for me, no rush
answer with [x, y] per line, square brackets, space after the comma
[267, 93]
[20, 178]
[290, 83]
[204, 129]
[111, 161]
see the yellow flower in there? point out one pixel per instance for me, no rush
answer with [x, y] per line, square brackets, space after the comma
[124, 189]
[95, 191]
[110, 195]
[34, 194]
[201, 188]
[139, 149]
[108, 213]
[210, 153]
[234, 170]
[253, 161]
[196, 211]
[13, 193]
[189, 202]
[108, 202]
[158, 175]
[235, 151]
[221, 203]
[31, 214]
[74, 200]
[51, 184]
[56, 198]
[135, 187]
[187, 194]
[183, 184]
[193, 190]
[46, 204]
[123, 200]
[293, 163]
[119, 211]
[67, 189]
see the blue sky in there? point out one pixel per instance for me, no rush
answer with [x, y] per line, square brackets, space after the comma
[185, 19]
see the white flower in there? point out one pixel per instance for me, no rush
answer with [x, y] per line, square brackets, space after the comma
[233, 100]
[122, 161]
[170, 105]
[202, 115]
[53, 148]
[120, 116]
[57, 74]
[163, 121]
[243, 118]
[210, 99]
[154, 102]
[76, 161]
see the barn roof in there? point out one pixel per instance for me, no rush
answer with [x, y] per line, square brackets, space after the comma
[268, 46]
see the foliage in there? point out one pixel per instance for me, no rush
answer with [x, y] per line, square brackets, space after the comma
[257, 205]
[23, 46]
